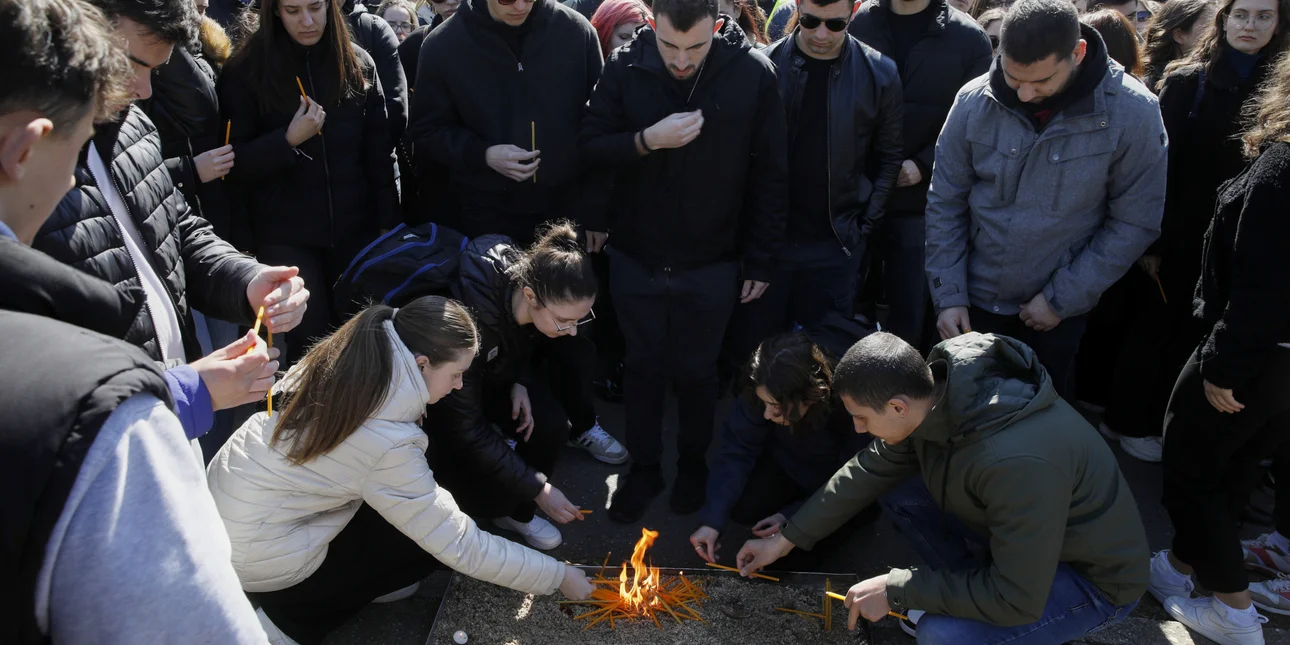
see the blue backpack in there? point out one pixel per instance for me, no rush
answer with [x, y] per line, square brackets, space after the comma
[400, 266]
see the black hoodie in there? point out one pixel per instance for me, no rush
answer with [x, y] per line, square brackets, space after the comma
[724, 196]
[1087, 77]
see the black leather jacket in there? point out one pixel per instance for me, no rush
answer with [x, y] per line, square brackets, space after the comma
[865, 112]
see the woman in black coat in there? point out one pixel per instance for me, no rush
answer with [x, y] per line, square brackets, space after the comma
[317, 171]
[1201, 104]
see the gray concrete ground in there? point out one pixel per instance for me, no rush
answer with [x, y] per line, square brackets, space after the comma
[870, 551]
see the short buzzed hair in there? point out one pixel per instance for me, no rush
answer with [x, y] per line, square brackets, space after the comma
[685, 14]
[1033, 30]
[61, 60]
[171, 21]
[881, 367]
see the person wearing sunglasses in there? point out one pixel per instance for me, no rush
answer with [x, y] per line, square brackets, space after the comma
[845, 112]
[1138, 12]
[502, 90]
[936, 51]
[531, 379]
[699, 199]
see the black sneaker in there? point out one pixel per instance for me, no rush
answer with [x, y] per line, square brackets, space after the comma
[631, 499]
[689, 492]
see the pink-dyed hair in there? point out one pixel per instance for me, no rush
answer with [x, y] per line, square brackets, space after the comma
[613, 14]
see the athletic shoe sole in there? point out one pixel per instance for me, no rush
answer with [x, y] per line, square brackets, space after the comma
[1221, 639]
[612, 461]
[1137, 454]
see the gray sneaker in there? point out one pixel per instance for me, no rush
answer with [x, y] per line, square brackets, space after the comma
[601, 446]
[1272, 595]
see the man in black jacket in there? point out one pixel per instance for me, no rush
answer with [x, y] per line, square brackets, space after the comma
[844, 113]
[690, 118]
[937, 51]
[377, 38]
[501, 90]
[127, 223]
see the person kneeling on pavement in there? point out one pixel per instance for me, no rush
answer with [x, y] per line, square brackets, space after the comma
[783, 439]
[330, 504]
[1014, 502]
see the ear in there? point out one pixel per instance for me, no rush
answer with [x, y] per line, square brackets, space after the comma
[16, 143]
[721, 22]
[530, 297]
[900, 406]
[855, 7]
[650, 22]
[423, 363]
[1081, 48]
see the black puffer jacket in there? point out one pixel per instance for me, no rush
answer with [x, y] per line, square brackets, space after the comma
[865, 114]
[410, 51]
[473, 92]
[457, 422]
[952, 52]
[185, 109]
[200, 270]
[336, 186]
[724, 196]
[34, 283]
[378, 39]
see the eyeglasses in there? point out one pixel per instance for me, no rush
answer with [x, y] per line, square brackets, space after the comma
[1142, 16]
[401, 26]
[591, 315]
[812, 22]
[1261, 22]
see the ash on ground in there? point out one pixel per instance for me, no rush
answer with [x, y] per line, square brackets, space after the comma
[492, 615]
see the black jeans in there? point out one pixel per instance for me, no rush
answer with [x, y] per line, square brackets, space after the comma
[1056, 348]
[560, 394]
[901, 243]
[369, 558]
[1211, 465]
[319, 268]
[673, 321]
[811, 280]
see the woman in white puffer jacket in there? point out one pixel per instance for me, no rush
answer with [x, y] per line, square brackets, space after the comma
[331, 503]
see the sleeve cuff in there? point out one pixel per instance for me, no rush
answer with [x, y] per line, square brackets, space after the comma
[800, 539]
[533, 484]
[192, 400]
[897, 592]
[477, 155]
[955, 298]
[758, 271]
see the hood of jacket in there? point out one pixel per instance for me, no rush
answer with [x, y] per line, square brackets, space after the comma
[729, 41]
[985, 383]
[1088, 77]
[482, 282]
[407, 398]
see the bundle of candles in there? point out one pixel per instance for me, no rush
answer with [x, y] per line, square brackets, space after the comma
[646, 594]
[827, 613]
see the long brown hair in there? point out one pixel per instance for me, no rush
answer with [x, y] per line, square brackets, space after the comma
[267, 54]
[1268, 115]
[1160, 48]
[797, 375]
[346, 376]
[1119, 36]
[1209, 49]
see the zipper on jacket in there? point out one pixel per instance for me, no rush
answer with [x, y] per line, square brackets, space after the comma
[828, 163]
[331, 215]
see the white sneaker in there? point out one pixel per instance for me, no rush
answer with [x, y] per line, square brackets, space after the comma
[909, 624]
[395, 596]
[1218, 622]
[539, 533]
[1262, 554]
[276, 637]
[1148, 449]
[1166, 582]
[1272, 595]
[601, 446]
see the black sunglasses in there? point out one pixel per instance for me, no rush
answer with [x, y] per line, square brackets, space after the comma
[811, 22]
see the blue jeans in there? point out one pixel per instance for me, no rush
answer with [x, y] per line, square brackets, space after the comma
[1075, 607]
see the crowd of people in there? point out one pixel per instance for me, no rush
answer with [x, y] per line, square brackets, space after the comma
[921, 242]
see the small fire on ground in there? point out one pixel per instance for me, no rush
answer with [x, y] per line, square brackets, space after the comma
[643, 594]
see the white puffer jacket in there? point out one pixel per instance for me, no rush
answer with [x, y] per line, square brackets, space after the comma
[280, 517]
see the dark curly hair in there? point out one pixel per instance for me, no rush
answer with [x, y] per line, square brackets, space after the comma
[797, 375]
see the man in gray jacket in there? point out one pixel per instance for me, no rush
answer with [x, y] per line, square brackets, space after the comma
[1049, 183]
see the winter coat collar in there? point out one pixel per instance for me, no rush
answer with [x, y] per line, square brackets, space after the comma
[1080, 98]
[880, 8]
[408, 397]
[727, 43]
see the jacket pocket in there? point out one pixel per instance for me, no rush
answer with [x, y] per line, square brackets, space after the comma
[995, 159]
[1079, 166]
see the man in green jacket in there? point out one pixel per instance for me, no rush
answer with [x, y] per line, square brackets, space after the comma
[1027, 526]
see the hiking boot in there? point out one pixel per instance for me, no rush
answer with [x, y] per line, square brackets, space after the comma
[909, 624]
[1263, 554]
[395, 596]
[1166, 582]
[631, 499]
[1218, 622]
[601, 446]
[1272, 595]
[689, 492]
[1148, 449]
[539, 533]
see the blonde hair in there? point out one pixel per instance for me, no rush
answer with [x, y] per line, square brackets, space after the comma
[1268, 114]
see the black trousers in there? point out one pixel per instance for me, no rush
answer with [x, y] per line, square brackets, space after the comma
[319, 268]
[1211, 466]
[561, 397]
[369, 558]
[673, 322]
[1056, 348]
[901, 243]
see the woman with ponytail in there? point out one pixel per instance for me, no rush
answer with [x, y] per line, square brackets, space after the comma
[330, 503]
[531, 378]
